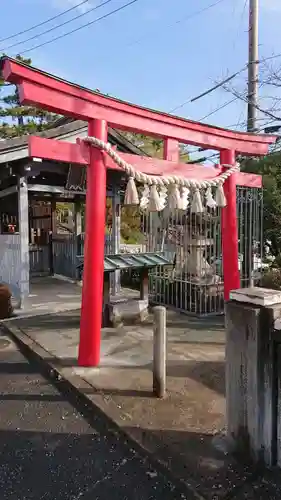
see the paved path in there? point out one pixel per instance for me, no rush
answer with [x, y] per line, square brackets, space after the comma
[49, 451]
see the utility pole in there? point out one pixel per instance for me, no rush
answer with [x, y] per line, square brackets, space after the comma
[253, 66]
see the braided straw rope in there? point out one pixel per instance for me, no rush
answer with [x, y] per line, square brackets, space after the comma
[162, 181]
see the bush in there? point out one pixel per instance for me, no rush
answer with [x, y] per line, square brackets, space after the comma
[272, 279]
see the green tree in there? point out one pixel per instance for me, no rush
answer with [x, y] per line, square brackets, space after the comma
[17, 120]
[153, 146]
[269, 167]
[130, 229]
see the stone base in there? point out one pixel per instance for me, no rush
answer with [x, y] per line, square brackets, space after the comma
[129, 311]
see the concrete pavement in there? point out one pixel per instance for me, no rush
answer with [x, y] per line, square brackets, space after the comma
[50, 451]
[180, 431]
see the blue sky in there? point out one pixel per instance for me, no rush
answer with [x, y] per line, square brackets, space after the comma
[152, 53]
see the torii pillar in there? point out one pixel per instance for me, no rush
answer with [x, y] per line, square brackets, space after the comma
[231, 274]
[92, 291]
[46, 91]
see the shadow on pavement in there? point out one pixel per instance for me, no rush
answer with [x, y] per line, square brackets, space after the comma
[59, 451]
[30, 397]
[16, 368]
[209, 373]
[193, 458]
[58, 321]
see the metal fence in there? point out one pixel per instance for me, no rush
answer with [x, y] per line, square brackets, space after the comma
[196, 284]
[39, 260]
[65, 250]
[10, 262]
[194, 240]
[250, 234]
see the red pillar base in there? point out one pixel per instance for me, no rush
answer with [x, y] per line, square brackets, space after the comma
[92, 292]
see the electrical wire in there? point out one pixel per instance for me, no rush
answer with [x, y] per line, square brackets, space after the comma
[246, 100]
[215, 87]
[100, 5]
[200, 96]
[270, 58]
[179, 21]
[43, 22]
[57, 26]
[80, 27]
[221, 83]
[203, 158]
[218, 108]
[240, 22]
[239, 120]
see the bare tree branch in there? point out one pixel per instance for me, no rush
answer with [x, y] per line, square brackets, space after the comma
[245, 99]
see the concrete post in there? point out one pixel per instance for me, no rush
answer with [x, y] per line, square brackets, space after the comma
[77, 218]
[253, 375]
[77, 235]
[71, 219]
[116, 221]
[159, 351]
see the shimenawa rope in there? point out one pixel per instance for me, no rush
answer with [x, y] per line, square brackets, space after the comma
[176, 189]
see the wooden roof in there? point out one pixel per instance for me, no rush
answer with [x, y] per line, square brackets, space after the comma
[64, 129]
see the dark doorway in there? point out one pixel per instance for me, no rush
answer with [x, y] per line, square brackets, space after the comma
[40, 244]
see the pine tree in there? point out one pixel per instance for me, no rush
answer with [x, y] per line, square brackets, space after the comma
[17, 120]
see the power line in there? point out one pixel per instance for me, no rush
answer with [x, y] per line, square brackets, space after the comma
[181, 20]
[215, 87]
[246, 100]
[220, 84]
[237, 124]
[219, 108]
[43, 22]
[265, 125]
[91, 10]
[240, 123]
[57, 26]
[204, 158]
[80, 27]
[270, 58]
[240, 22]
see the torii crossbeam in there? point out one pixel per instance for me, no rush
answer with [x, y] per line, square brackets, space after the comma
[46, 91]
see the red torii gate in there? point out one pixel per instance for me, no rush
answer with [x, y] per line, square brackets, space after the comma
[54, 94]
